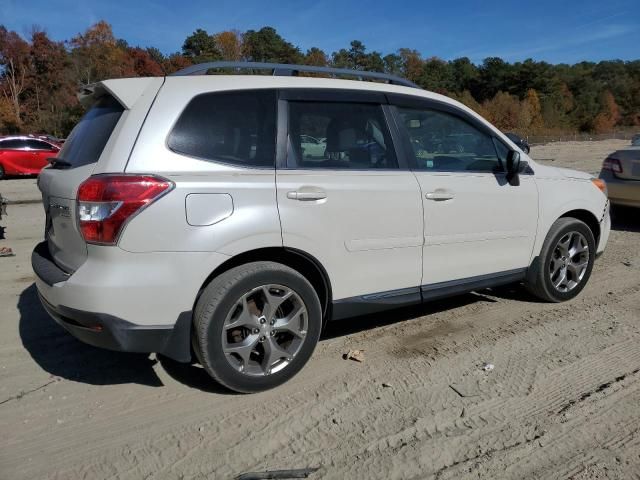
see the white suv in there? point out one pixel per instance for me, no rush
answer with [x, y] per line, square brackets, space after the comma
[185, 212]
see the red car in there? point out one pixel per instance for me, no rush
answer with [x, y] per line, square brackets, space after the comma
[24, 155]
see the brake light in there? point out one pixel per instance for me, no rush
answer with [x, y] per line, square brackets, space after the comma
[612, 164]
[107, 202]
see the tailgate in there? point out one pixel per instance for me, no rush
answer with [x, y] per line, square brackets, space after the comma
[107, 130]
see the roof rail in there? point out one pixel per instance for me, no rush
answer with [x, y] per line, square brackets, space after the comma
[283, 69]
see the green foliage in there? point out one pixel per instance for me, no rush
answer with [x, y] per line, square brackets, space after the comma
[266, 45]
[39, 78]
[201, 47]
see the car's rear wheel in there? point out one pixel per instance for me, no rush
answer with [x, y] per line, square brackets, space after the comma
[565, 262]
[2, 174]
[256, 325]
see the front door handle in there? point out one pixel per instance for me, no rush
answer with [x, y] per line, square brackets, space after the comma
[439, 195]
[306, 196]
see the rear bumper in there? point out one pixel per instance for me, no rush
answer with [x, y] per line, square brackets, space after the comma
[124, 301]
[112, 333]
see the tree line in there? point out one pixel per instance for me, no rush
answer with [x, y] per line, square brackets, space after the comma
[39, 78]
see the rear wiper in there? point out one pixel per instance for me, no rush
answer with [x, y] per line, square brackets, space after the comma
[57, 162]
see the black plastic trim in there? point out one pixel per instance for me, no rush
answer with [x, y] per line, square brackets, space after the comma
[377, 302]
[44, 266]
[338, 95]
[454, 287]
[113, 333]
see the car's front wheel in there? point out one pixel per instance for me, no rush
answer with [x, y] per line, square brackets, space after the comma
[565, 262]
[256, 325]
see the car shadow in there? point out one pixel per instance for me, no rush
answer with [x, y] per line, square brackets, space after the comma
[625, 219]
[62, 355]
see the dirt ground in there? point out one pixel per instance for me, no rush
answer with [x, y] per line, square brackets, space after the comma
[563, 399]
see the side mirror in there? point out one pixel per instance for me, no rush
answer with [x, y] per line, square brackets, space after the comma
[513, 168]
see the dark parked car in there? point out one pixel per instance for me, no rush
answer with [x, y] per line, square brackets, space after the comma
[519, 141]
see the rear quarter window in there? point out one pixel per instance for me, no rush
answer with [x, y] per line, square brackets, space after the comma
[89, 137]
[237, 128]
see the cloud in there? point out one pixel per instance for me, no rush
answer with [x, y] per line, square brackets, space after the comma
[575, 39]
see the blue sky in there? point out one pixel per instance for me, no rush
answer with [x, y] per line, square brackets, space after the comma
[555, 31]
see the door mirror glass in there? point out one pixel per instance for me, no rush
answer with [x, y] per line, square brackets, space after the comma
[513, 167]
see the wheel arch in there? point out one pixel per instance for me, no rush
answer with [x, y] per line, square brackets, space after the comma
[301, 261]
[588, 218]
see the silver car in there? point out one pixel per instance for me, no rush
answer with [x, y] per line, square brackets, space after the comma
[621, 172]
[183, 214]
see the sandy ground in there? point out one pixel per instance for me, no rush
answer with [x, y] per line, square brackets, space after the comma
[563, 400]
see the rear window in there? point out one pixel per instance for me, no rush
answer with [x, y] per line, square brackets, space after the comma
[238, 128]
[88, 138]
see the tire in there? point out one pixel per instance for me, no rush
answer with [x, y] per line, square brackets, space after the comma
[240, 334]
[2, 175]
[557, 257]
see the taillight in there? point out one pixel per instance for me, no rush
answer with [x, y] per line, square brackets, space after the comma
[107, 202]
[612, 164]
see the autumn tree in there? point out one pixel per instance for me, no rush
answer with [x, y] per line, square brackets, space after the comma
[412, 64]
[16, 73]
[52, 87]
[609, 114]
[532, 104]
[316, 57]
[229, 44]
[96, 55]
[39, 77]
[175, 62]
[144, 65]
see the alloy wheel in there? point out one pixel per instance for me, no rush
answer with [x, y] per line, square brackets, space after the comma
[264, 330]
[569, 261]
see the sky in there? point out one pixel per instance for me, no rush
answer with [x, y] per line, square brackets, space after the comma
[555, 31]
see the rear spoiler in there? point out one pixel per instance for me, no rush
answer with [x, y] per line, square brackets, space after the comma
[126, 90]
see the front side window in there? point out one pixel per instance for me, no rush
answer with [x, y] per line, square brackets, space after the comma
[237, 127]
[444, 142]
[339, 136]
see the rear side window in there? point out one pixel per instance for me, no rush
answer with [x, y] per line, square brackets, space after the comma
[87, 140]
[339, 136]
[238, 128]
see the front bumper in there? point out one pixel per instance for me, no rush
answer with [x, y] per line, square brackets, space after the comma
[122, 301]
[605, 230]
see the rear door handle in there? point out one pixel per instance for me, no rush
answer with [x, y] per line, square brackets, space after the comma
[439, 195]
[306, 196]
